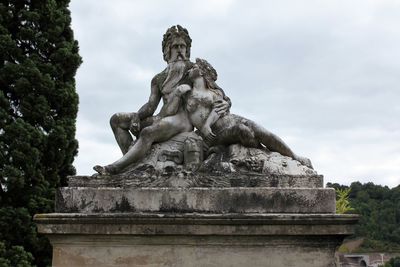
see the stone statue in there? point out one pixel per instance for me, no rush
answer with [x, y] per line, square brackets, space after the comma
[191, 99]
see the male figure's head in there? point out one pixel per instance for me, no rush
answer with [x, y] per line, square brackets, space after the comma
[176, 44]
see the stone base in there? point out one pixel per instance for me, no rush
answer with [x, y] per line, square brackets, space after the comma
[199, 179]
[151, 239]
[206, 200]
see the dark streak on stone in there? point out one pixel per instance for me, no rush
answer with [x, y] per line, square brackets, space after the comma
[123, 206]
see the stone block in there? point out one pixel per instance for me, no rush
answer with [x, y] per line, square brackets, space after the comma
[199, 180]
[187, 200]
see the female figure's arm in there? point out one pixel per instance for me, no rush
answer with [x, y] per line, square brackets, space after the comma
[206, 128]
[220, 108]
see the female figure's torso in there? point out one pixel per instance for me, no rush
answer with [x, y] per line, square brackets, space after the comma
[199, 104]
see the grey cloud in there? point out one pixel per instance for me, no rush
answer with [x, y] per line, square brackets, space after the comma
[312, 72]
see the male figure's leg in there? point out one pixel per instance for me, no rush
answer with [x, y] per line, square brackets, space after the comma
[120, 124]
[158, 132]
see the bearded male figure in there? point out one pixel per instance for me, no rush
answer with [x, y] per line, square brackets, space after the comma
[171, 120]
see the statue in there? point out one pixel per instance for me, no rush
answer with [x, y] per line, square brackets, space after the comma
[191, 99]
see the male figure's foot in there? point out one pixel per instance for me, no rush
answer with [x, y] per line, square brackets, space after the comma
[104, 170]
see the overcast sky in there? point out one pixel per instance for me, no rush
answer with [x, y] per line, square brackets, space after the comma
[323, 75]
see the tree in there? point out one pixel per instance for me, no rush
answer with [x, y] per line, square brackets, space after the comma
[379, 209]
[393, 262]
[38, 107]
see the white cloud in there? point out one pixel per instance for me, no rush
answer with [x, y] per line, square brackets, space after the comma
[96, 146]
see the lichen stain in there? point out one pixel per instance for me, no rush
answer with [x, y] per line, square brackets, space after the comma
[123, 206]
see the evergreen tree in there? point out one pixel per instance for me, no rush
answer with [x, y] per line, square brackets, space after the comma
[38, 107]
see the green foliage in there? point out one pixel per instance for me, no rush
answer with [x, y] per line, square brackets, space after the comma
[38, 107]
[343, 249]
[16, 256]
[372, 245]
[379, 207]
[342, 201]
[393, 262]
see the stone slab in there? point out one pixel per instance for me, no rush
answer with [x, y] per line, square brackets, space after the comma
[160, 239]
[250, 224]
[199, 180]
[186, 200]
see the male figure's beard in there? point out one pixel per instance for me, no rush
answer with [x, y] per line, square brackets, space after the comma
[176, 70]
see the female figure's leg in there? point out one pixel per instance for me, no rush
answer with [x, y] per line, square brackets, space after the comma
[236, 129]
[230, 129]
[275, 143]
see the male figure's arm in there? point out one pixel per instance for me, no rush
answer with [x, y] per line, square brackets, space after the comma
[223, 106]
[150, 107]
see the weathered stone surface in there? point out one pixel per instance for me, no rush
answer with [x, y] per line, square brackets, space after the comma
[246, 224]
[199, 179]
[209, 200]
[237, 158]
[261, 252]
[160, 239]
[174, 154]
[183, 156]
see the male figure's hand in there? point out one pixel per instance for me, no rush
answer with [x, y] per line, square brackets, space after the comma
[221, 107]
[135, 124]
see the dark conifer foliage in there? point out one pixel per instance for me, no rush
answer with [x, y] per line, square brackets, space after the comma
[38, 107]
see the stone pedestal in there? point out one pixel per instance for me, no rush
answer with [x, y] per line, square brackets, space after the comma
[160, 239]
[232, 226]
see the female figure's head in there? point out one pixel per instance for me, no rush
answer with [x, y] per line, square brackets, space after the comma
[204, 69]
